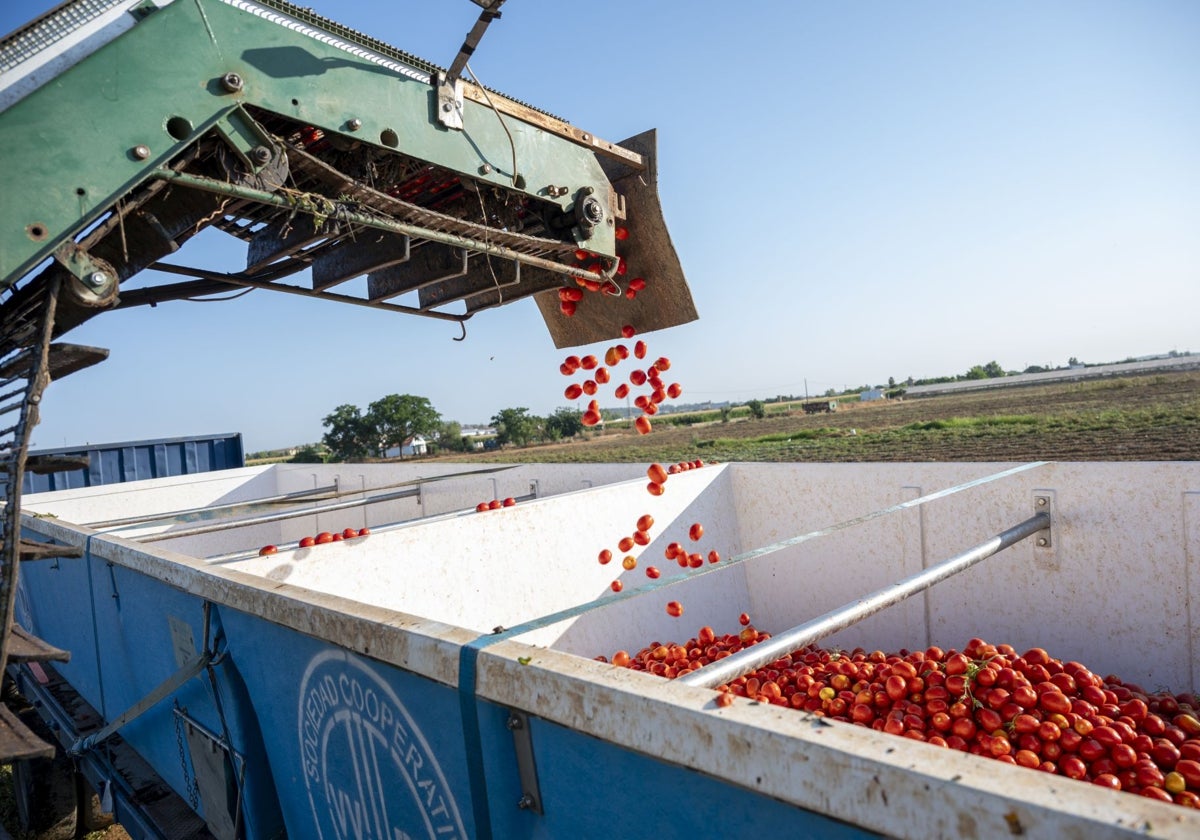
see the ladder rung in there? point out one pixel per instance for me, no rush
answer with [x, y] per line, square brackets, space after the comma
[33, 550]
[64, 359]
[46, 464]
[17, 741]
[23, 646]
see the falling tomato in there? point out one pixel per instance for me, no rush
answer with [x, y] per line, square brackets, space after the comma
[645, 522]
[696, 531]
[643, 425]
[628, 331]
[674, 609]
[621, 391]
[616, 586]
[639, 349]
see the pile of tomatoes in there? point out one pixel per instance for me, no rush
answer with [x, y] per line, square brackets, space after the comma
[1028, 709]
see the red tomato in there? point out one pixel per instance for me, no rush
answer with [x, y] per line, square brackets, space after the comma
[744, 620]
[307, 542]
[645, 522]
[714, 556]
[723, 699]
[674, 390]
[567, 307]
[643, 425]
[574, 391]
[1190, 770]
[637, 284]
[652, 572]
[621, 391]
[641, 538]
[637, 377]
[349, 534]
[588, 362]
[324, 537]
[589, 387]
[494, 504]
[509, 502]
[696, 531]
[674, 609]
[605, 557]
[602, 376]
[364, 532]
[337, 537]
[616, 586]
[655, 488]
[695, 560]
[625, 544]
[639, 349]
[267, 549]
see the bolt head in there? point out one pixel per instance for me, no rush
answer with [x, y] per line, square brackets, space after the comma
[354, 124]
[96, 279]
[232, 82]
[140, 151]
[261, 154]
[486, 169]
[1042, 541]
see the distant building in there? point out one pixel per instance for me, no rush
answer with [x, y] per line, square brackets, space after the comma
[871, 395]
[412, 446]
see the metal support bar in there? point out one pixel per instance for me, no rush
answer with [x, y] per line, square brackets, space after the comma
[317, 494]
[279, 517]
[531, 793]
[763, 653]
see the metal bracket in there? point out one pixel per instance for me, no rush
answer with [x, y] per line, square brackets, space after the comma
[248, 139]
[96, 281]
[531, 794]
[449, 102]
[1043, 502]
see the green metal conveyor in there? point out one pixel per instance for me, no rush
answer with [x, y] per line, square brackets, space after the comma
[129, 126]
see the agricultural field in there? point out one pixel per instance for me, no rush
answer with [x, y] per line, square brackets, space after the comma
[1143, 418]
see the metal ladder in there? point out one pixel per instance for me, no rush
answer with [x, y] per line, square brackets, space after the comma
[28, 362]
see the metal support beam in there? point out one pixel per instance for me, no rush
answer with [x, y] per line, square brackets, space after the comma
[763, 653]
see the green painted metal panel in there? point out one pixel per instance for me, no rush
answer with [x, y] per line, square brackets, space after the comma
[69, 146]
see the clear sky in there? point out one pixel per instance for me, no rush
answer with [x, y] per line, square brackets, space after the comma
[856, 191]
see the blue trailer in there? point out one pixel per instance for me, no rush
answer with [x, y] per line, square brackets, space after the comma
[107, 463]
[436, 676]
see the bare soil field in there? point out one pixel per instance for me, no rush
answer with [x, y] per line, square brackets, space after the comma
[1144, 418]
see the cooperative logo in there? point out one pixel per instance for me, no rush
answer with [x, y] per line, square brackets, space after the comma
[368, 769]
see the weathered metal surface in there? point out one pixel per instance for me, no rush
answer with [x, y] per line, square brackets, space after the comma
[649, 253]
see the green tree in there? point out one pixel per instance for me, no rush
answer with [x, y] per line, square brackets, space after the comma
[514, 425]
[397, 417]
[308, 454]
[725, 412]
[350, 437]
[757, 410]
[450, 437]
[564, 423]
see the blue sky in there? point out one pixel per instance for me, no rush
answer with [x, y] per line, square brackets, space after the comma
[856, 191]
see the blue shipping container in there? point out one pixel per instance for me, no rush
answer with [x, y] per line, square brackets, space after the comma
[112, 463]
